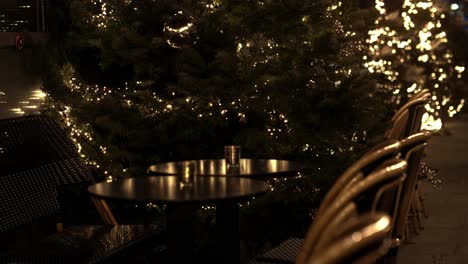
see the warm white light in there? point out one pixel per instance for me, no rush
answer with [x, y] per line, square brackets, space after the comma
[454, 6]
[431, 123]
[382, 224]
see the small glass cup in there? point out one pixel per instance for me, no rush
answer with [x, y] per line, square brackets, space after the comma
[232, 154]
[186, 179]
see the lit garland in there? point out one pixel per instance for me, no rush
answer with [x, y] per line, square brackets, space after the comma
[416, 48]
[153, 106]
[105, 16]
[265, 50]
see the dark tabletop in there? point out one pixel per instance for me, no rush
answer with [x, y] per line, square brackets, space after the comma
[167, 189]
[217, 167]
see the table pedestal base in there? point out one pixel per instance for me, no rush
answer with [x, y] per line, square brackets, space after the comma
[180, 230]
[181, 233]
[227, 232]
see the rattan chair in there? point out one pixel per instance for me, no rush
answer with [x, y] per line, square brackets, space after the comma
[346, 203]
[368, 162]
[360, 239]
[37, 160]
[412, 110]
[412, 149]
[423, 94]
[406, 122]
[363, 240]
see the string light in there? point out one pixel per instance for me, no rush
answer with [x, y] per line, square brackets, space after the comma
[105, 16]
[389, 49]
[384, 45]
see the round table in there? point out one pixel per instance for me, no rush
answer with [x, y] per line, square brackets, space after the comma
[182, 202]
[256, 168]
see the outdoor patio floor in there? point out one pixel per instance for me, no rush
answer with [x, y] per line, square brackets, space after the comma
[445, 235]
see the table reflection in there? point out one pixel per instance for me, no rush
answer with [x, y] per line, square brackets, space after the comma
[168, 189]
[217, 167]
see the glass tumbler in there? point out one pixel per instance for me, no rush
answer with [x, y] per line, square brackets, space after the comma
[187, 177]
[232, 154]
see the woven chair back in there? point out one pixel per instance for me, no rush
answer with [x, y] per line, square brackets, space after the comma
[28, 196]
[33, 141]
[36, 158]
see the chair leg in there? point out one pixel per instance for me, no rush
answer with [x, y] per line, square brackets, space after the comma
[421, 200]
[390, 257]
[109, 213]
[406, 233]
[418, 211]
[414, 217]
[104, 211]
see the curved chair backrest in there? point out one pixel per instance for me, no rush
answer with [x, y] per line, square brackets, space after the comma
[423, 95]
[347, 212]
[386, 198]
[364, 165]
[407, 120]
[363, 239]
[394, 173]
[399, 126]
[412, 149]
[420, 94]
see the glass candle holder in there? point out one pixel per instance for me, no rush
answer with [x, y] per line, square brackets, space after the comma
[232, 154]
[186, 179]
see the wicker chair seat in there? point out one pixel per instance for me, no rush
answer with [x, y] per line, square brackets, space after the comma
[43, 182]
[285, 252]
[85, 244]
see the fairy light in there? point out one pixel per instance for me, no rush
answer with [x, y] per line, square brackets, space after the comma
[382, 41]
[389, 49]
[105, 16]
[263, 50]
[80, 132]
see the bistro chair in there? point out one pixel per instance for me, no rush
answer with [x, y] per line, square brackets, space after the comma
[413, 149]
[423, 94]
[368, 162]
[38, 162]
[407, 122]
[348, 202]
[363, 239]
[287, 251]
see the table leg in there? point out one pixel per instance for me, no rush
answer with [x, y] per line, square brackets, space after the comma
[180, 229]
[104, 211]
[227, 231]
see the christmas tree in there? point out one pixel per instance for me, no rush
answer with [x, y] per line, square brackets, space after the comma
[140, 82]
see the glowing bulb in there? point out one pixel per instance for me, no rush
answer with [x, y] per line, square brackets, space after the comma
[454, 6]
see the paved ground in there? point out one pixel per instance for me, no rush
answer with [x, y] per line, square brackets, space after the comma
[445, 237]
[19, 89]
